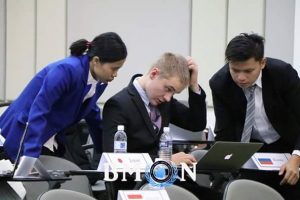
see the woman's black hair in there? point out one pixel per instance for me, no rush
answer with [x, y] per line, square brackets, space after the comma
[109, 47]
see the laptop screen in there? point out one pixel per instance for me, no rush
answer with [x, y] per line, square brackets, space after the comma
[9, 173]
[228, 155]
[20, 149]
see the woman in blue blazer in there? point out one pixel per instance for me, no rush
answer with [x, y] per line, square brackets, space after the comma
[61, 94]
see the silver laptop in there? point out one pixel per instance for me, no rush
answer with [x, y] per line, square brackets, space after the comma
[43, 173]
[227, 156]
[9, 173]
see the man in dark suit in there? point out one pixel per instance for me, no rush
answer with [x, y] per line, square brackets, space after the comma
[131, 107]
[274, 116]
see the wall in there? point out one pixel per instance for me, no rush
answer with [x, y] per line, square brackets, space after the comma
[214, 23]
[280, 18]
[32, 36]
[148, 28]
[297, 37]
[2, 47]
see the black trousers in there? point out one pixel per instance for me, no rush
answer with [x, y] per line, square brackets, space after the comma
[271, 178]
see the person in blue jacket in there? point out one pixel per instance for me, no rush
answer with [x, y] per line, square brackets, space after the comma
[60, 95]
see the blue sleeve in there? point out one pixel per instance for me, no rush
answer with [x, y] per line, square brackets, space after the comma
[93, 119]
[55, 84]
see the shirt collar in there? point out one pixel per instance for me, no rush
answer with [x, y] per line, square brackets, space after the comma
[91, 80]
[258, 80]
[141, 91]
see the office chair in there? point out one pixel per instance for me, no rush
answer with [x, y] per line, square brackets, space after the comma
[64, 194]
[175, 192]
[248, 190]
[78, 183]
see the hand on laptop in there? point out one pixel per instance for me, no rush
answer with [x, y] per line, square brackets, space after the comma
[290, 170]
[181, 157]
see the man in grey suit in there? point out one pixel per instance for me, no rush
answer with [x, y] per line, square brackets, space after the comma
[258, 99]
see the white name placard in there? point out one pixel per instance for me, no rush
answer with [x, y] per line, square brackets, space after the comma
[270, 161]
[121, 161]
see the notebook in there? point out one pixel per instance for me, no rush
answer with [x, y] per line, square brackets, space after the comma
[227, 156]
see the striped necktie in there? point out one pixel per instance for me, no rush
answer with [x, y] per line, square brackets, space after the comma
[155, 118]
[249, 120]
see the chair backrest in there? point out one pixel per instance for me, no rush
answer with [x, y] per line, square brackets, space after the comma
[175, 192]
[248, 190]
[64, 194]
[78, 183]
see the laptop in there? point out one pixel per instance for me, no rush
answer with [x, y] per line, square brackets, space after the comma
[10, 173]
[227, 156]
[49, 175]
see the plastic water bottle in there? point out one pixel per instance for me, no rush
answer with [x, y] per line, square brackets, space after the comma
[120, 140]
[165, 145]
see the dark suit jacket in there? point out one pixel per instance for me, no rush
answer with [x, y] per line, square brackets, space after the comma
[127, 108]
[281, 97]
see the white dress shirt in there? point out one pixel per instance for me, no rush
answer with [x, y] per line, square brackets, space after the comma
[263, 129]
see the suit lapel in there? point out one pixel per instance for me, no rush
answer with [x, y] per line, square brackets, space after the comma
[141, 107]
[239, 107]
[268, 94]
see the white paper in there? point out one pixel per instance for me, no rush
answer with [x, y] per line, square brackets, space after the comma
[270, 161]
[210, 134]
[120, 161]
[5, 165]
[143, 194]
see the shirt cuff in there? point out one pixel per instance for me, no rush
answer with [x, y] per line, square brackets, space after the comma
[296, 152]
[198, 92]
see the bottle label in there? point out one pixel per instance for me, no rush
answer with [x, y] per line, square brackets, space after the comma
[164, 144]
[120, 145]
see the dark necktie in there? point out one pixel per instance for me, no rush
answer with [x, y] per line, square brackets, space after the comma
[249, 120]
[155, 117]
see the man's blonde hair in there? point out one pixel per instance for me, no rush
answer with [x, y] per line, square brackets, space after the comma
[173, 65]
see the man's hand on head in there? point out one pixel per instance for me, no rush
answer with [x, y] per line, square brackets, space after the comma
[193, 67]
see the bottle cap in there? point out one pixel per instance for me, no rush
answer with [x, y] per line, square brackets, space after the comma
[120, 127]
[166, 129]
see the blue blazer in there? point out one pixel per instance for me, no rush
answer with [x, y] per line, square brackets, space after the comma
[52, 101]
